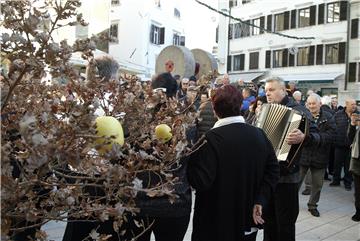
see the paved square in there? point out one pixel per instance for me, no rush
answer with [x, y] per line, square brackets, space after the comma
[336, 207]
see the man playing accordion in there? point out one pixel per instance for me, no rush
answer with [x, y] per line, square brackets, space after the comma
[282, 211]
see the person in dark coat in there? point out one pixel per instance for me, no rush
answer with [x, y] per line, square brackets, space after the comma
[342, 144]
[207, 116]
[166, 80]
[315, 158]
[354, 137]
[234, 171]
[281, 214]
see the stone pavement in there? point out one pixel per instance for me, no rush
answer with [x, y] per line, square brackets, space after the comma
[336, 207]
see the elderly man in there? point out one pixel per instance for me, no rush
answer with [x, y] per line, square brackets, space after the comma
[342, 144]
[297, 97]
[315, 158]
[282, 211]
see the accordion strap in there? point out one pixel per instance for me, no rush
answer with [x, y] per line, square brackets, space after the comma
[302, 142]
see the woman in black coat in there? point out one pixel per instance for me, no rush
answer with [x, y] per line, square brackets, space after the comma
[234, 171]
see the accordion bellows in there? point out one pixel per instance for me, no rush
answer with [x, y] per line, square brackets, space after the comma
[277, 121]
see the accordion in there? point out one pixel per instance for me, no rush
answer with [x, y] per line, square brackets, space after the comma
[277, 121]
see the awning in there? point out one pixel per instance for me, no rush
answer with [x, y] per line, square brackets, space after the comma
[311, 77]
[246, 77]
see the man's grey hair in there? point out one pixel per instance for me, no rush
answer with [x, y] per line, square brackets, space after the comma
[297, 93]
[276, 79]
[315, 96]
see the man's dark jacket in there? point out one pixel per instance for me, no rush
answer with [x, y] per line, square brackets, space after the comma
[342, 122]
[318, 155]
[235, 169]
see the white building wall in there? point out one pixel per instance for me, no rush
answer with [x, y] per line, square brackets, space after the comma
[135, 18]
[326, 33]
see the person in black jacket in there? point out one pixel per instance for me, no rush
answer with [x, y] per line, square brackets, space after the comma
[234, 171]
[354, 136]
[316, 157]
[342, 144]
[166, 80]
[281, 214]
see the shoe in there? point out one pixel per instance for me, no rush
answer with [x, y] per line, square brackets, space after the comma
[334, 184]
[306, 192]
[314, 212]
[348, 188]
[356, 217]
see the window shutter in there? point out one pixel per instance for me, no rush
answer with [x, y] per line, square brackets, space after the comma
[162, 35]
[341, 56]
[229, 64]
[293, 19]
[354, 28]
[217, 34]
[242, 61]
[262, 24]
[352, 72]
[254, 60]
[286, 20]
[268, 59]
[321, 13]
[285, 53]
[319, 54]
[247, 26]
[291, 59]
[343, 10]
[311, 55]
[312, 15]
[182, 40]
[230, 30]
[152, 29]
[269, 23]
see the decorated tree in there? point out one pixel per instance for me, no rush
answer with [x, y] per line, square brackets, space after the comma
[55, 149]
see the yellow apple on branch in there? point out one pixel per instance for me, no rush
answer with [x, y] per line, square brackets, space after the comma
[110, 131]
[163, 133]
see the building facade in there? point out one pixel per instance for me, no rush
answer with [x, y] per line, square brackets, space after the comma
[139, 30]
[328, 62]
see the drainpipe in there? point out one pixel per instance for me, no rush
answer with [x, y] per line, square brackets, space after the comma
[347, 51]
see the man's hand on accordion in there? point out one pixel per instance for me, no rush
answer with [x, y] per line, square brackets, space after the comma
[295, 137]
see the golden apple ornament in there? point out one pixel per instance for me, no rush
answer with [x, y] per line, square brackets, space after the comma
[163, 133]
[106, 127]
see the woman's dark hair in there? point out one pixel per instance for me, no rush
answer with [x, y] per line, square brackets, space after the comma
[227, 101]
[255, 102]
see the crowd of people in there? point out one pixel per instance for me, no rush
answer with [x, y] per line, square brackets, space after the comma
[240, 185]
[328, 140]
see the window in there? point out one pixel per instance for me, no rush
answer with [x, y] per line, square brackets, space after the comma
[114, 32]
[157, 3]
[277, 58]
[115, 2]
[217, 34]
[237, 30]
[331, 53]
[256, 31]
[304, 17]
[282, 21]
[176, 38]
[333, 12]
[232, 3]
[268, 59]
[245, 29]
[335, 53]
[303, 56]
[239, 62]
[279, 22]
[245, 1]
[176, 13]
[354, 28]
[352, 72]
[254, 60]
[157, 34]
